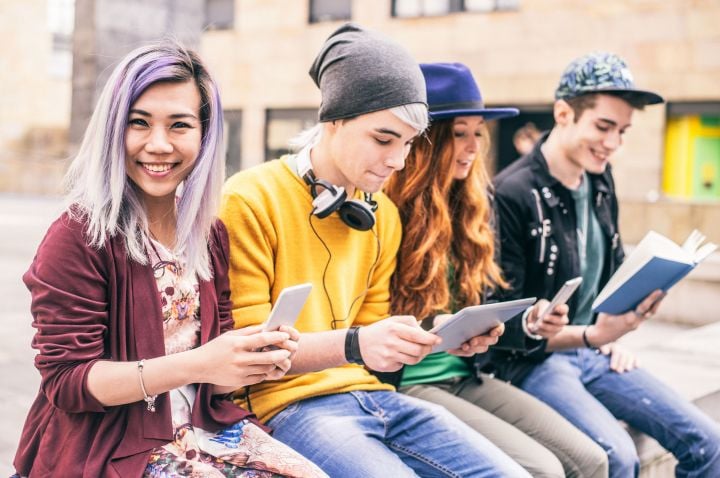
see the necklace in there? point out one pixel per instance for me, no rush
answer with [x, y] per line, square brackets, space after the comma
[161, 264]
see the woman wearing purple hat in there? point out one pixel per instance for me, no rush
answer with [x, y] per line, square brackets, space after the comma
[446, 262]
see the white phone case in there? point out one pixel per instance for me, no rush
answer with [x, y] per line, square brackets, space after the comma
[287, 307]
[562, 296]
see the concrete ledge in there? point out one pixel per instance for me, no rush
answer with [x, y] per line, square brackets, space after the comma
[688, 361]
[655, 461]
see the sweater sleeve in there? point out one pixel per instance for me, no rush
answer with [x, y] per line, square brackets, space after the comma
[251, 269]
[376, 303]
[68, 285]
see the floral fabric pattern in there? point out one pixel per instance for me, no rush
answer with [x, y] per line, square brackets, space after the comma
[242, 450]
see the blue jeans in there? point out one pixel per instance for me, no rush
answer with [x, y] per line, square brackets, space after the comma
[379, 434]
[580, 386]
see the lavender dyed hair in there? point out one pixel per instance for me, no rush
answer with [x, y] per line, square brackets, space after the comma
[99, 190]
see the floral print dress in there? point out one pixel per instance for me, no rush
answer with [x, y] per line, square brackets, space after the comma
[241, 450]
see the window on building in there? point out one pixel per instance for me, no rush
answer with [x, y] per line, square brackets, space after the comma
[424, 8]
[281, 125]
[429, 8]
[61, 23]
[691, 167]
[220, 14]
[330, 10]
[491, 5]
[233, 141]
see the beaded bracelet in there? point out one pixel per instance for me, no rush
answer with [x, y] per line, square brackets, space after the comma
[149, 399]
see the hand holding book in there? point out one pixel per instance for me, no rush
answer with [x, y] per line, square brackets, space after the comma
[610, 327]
[656, 263]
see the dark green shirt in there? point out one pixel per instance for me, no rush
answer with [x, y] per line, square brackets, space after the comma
[591, 249]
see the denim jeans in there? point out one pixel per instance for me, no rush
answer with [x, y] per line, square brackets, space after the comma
[381, 434]
[580, 386]
[526, 429]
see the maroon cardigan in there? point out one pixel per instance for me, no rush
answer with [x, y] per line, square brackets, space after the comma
[91, 305]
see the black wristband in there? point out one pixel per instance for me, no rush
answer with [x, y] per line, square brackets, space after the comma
[352, 346]
[586, 341]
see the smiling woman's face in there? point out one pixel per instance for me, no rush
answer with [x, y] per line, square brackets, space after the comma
[163, 137]
[468, 134]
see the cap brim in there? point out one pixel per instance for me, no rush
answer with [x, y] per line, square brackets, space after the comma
[487, 113]
[648, 97]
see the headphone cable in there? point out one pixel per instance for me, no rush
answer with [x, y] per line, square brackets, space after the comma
[335, 321]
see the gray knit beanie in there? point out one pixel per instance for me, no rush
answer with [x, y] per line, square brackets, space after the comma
[359, 72]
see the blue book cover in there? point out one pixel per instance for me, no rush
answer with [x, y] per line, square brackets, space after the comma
[655, 263]
[658, 273]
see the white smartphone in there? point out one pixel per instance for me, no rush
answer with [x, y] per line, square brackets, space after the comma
[287, 307]
[562, 296]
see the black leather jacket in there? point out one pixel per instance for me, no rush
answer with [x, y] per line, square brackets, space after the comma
[539, 250]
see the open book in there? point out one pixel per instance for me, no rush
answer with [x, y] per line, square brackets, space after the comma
[656, 263]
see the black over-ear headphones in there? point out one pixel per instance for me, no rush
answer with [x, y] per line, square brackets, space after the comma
[357, 214]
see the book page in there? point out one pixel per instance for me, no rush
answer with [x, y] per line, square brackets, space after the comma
[704, 252]
[693, 241]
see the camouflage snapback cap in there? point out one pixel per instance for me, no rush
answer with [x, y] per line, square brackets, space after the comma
[600, 72]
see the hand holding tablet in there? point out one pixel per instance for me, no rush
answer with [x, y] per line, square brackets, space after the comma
[476, 320]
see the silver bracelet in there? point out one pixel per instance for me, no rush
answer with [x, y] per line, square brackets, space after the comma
[526, 328]
[149, 399]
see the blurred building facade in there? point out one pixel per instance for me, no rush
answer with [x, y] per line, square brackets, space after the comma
[517, 50]
[36, 65]
[667, 173]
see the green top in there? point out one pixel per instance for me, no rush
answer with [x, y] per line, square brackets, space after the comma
[435, 368]
[442, 365]
[591, 248]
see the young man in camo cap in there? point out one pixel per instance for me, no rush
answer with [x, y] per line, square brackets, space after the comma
[558, 218]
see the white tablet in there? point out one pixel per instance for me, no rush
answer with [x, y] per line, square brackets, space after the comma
[287, 307]
[476, 320]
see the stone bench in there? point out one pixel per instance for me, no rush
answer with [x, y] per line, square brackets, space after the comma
[655, 461]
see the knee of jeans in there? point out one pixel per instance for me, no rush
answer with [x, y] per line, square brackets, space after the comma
[704, 451]
[623, 460]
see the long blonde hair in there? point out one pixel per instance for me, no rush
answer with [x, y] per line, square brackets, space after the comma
[443, 220]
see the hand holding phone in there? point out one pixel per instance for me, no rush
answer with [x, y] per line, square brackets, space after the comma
[562, 296]
[287, 307]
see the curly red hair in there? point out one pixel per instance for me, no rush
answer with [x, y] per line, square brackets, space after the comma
[443, 220]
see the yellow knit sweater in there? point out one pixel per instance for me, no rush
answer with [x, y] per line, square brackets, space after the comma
[267, 213]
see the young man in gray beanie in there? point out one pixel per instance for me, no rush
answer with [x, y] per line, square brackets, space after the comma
[318, 216]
